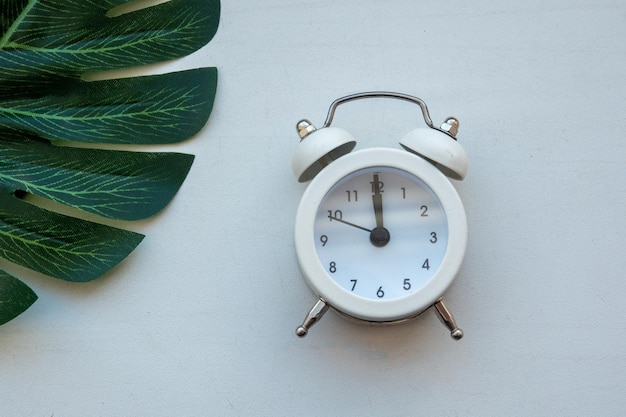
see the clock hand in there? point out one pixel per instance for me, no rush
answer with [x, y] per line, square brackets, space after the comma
[377, 199]
[379, 235]
[349, 224]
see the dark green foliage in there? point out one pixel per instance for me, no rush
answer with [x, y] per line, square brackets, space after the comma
[15, 297]
[46, 48]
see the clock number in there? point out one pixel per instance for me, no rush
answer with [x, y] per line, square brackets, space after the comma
[433, 237]
[403, 193]
[337, 214]
[353, 281]
[426, 265]
[324, 240]
[424, 211]
[332, 267]
[380, 293]
[378, 184]
[352, 195]
[407, 284]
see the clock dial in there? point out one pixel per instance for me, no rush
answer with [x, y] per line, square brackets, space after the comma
[380, 233]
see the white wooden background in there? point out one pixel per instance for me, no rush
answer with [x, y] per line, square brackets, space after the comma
[200, 319]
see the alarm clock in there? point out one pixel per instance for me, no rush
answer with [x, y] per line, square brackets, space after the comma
[380, 233]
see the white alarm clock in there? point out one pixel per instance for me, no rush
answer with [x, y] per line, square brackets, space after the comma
[380, 233]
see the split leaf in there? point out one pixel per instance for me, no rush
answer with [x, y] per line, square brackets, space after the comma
[47, 39]
[15, 297]
[57, 245]
[154, 109]
[47, 47]
[115, 184]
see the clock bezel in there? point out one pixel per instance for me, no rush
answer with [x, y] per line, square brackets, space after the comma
[369, 309]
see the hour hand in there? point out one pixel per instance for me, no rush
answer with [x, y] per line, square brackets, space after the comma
[340, 220]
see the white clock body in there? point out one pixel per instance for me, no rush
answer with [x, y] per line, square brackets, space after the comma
[380, 234]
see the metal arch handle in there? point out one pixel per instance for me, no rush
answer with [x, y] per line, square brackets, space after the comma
[378, 94]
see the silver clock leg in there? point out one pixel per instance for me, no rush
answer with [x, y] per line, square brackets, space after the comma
[313, 317]
[448, 320]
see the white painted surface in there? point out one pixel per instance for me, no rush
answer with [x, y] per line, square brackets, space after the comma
[200, 319]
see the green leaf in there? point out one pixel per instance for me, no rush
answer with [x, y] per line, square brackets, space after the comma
[142, 110]
[43, 38]
[15, 297]
[57, 245]
[46, 48]
[115, 184]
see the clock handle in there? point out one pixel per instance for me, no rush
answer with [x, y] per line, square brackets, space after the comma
[379, 94]
[313, 317]
[448, 320]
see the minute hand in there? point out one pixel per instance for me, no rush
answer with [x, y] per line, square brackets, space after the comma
[380, 236]
[377, 199]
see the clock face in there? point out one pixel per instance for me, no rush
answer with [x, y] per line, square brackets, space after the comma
[380, 233]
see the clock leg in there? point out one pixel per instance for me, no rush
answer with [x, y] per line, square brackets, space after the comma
[448, 320]
[313, 317]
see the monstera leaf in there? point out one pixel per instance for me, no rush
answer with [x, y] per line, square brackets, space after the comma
[48, 48]
[15, 297]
